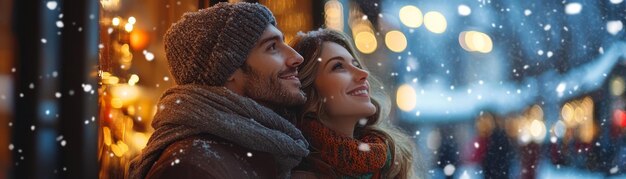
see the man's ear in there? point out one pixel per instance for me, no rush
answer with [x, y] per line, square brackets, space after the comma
[236, 81]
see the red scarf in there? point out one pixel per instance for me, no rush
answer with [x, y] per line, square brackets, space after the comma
[343, 153]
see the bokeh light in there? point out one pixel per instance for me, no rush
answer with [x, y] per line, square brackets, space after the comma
[435, 22]
[411, 16]
[395, 41]
[406, 98]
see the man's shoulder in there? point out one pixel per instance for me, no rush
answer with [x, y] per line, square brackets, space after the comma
[210, 156]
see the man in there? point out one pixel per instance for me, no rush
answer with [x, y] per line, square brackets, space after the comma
[231, 68]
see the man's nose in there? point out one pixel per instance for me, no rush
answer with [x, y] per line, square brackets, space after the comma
[293, 58]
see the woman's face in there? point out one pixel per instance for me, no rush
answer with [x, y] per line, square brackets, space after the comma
[342, 84]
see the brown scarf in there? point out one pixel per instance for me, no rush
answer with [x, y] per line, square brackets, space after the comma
[343, 153]
[188, 110]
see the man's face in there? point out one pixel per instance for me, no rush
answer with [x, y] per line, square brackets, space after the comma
[270, 71]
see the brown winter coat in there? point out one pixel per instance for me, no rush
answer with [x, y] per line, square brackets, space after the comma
[208, 156]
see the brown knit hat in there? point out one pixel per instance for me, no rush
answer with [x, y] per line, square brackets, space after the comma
[206, 47]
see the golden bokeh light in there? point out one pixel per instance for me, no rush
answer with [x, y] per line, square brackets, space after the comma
[333, 11]
[128, 27]
[411, 16]
[406, 98]
[474, 41]
[567, 113]
[106, 135]
[395, 41]
[435, 22]
[537, 130]
[133, 80]
[132, 20]
[617, 86]
[115, 21]
[366, 42]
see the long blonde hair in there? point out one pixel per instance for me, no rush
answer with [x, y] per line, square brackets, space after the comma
[309, 45]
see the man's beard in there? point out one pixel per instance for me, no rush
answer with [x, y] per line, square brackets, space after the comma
[270, 91]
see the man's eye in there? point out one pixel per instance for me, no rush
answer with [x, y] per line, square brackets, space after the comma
[272, 47]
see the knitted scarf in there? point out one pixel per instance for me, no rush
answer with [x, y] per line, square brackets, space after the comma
[364, 156]
[188, 110]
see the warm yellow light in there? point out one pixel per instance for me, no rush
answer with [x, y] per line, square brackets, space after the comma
[123, 147]
[115, 21]
[567, 113]
[111, 80]
[435, 22]
[139, 140]
[133, 80]
[125, 49]
[475, 41]
[579, 114]
[125, 93]
[128, 27]
[396, 41]
[117, 103]
[411, 16]
[535, 112]
[132, 20]
[537, 128]
[587, 132]
[106, 135]
[117, 149]
[462, 41]
[406, 98]
[110, 5]
[131, 110]
[365, 42]
[334, 15]
[617, 86]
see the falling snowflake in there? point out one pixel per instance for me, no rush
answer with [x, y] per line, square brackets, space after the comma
[51, 5]
[573, 8]
[43, 40]
[464, 10]
[364, 147]
[86, 87]
[476, 145]
[614, 170]
[60, 24]
[362, 122]
[613, 27]
[249, 154]
[149, 56]
[547, 27]
[449, 170]
[527, 12]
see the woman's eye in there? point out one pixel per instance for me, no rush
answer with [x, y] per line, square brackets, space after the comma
[337, 66]
[356, 64]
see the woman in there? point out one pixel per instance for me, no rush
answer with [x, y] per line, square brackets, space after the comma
[344, 116]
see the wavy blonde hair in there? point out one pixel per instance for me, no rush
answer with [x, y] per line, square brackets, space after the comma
[309, 45]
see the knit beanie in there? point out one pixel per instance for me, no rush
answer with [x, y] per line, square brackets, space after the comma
[206, 47]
